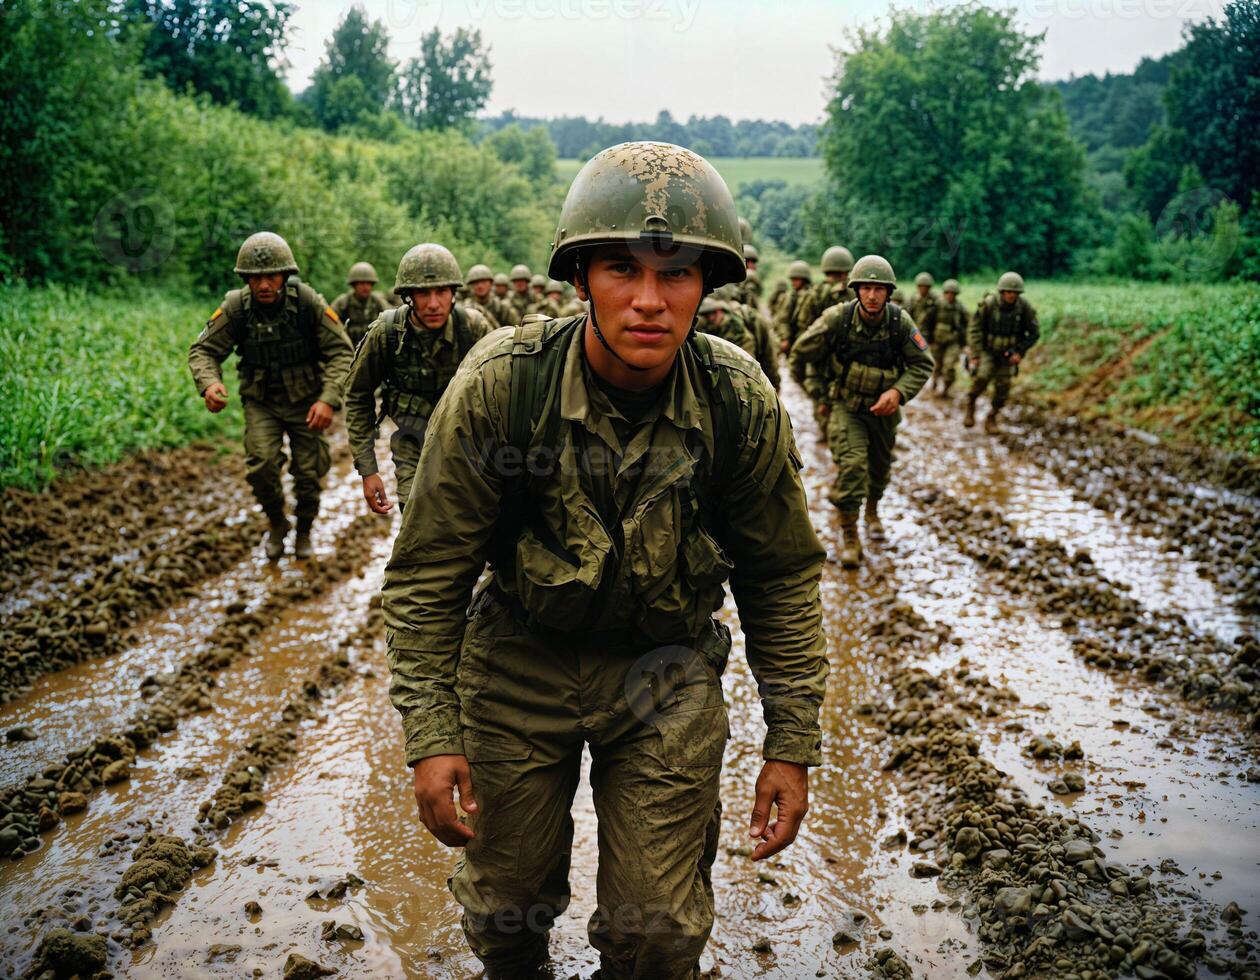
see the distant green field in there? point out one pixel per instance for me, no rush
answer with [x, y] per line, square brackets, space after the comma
[739, 170]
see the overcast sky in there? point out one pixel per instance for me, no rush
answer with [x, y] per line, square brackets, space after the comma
[626, 59]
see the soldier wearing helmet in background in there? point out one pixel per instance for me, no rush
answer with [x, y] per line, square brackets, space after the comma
[765, 340]
[1003, 330]
[798, 276]
[480, 283]
[948, 337]
[836, 263]
[502, 286]
[362, 304]
[749, 291]
[520, 297]
[294, 354]
[596, 625]
[876, 360]
[922, 306]
[714, 318]
[537, 292]
[411, 354]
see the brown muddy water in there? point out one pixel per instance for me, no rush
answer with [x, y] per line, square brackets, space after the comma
[1164, 791]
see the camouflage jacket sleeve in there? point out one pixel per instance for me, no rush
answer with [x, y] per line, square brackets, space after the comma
[767, 348]
[367, 371]
[440, 551]
[919, 363]
[975, 330]
[778, 562]
[211, 348]
[335, 353]
[811, 346]
[1032, 331]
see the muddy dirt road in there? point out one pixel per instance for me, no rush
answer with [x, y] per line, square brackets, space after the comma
[1041, 753]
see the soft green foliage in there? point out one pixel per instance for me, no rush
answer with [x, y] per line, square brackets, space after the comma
[1180, 361]
[447, 83]
[531, 150]
[85, 378]
[944, 151]
[356, 77]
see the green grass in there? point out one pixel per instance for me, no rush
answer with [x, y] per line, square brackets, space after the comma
[739, 170]
[86, 378]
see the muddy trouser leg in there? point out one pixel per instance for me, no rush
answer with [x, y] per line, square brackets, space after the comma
[655, 776]
[881, 434]
[1002, 374]
[948, 363]
[311, 460]
[405, 444]
[264, 453]
[523, 739]
[849, 441]
[984, 371]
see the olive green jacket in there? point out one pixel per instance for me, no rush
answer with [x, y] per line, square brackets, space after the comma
[371, 369]
[223, 334]
[619, 542]
[997, 328]
[357, 314]
[924, 311]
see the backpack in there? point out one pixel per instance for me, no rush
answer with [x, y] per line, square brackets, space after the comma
[884, 353]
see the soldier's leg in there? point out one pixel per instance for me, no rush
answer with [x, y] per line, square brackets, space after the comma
[984, 371]
[311, 460]
[404, 445]
[847, 437]
[948, 365]
[655, 776]
[1002, 374]
[264, 455]
[525, 753]
[881, 433]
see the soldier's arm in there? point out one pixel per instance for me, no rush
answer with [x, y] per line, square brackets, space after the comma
[208, 352]
[768, 350]
[1032, 335]
[440, 551]
[974, 338]
[336, 353]
[811, 346]
[367, 371]
[778, 562]
[919, 363]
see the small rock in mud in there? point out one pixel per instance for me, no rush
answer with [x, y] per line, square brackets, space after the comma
[762, 945]
[924, 869]
[67, 954]
[116, 771]
[71, 802]
[298, 967]
[223, 953]
[22, 734]
[253, 909]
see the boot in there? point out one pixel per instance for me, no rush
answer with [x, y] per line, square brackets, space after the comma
[945, 389]
[273, 543]
[302, 546]
[991, 423]
[970, 418]
[851, 553]
[874, 526]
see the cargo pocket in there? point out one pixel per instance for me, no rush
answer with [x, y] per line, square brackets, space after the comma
[693, 738]
[301, 382]
[483, 747]
[557, 585]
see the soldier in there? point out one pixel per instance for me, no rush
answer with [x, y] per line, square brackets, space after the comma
[877, 360]
[362, 304]
[502, 285]
[836, 263]
[922, 306]
[520, 297]
[749, 291]
[614, 468]
[1003, 330]
[752, 284]
[750, 256]
[537, 288]
[294, 354]
[777, 292]
[480, 283]
[410, 354]
[948, 337]
[713, 318]
[765, 341]
[799, 275]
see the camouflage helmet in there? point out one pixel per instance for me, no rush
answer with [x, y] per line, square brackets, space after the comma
[501, 279]
[745, 231]
[518, 272]
[708, 305]
[655, 193]
[263, 253]
[899, 297]
[537, 279]
[799, 270]
[477, 273]
[951, 286]
[1011, 281]
[837, 259]
[750, 252]
[553, 286]
[872, 269]
[924, 279]
[726, 292]
[361, 272]
[427, 266]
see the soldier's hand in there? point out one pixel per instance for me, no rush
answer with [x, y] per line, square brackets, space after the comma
[374, 494]
[1015, 357]
[784, 346]
[320, 416]
[824, 409]
[785, 785]
[437, 777]
[887, 403]
[216, 396]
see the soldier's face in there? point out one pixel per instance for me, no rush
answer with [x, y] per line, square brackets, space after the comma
[500, 289]
[266, 288]
[555, 296]
[521, 286]
[923, 288]
[362, 289]
[433, 306]
[481, 288]
[873, 297]
[950, 296]
[1008, 296]
[751, 264]
[645, 301]
[799, 284]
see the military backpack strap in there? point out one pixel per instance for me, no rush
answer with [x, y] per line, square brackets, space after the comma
[463, 332]
[898, 334]
[727, 430]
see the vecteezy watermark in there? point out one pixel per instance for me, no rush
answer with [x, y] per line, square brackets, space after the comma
[680, 13]
[135, 230]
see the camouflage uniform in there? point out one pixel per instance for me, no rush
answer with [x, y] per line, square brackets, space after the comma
[603, 576]
[292, 355]
[765, 342]
[922, 308]
[996, 331]
[949, 336]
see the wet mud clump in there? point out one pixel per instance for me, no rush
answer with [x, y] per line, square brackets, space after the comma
[161, 866]
[63, 954]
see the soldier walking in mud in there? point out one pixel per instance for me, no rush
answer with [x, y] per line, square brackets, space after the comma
[411, 354]
[480, 283]
[922, 305]
[948, 337]
[1003, 330]
[363, 303]
[615, 468]
[836, 263]
[875, 360]
[294, 354]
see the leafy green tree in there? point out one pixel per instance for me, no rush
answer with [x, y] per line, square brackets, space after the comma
[530, 149]
[357, 75]
[448, 82]
[945, 151]
[231, 51]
